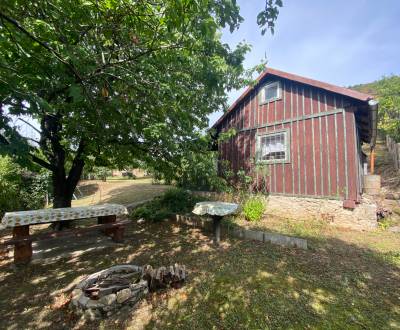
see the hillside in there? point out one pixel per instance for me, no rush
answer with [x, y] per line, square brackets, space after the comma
[382, 87]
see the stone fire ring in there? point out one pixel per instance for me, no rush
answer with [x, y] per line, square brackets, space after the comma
[108, 304]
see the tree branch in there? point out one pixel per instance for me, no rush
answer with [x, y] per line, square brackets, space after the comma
[41, 43]
[41, 162]
[29, 124]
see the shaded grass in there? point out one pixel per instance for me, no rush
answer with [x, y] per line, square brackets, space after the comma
[337, 284]
[384, 244]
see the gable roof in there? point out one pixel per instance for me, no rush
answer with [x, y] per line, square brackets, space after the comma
[293, 77]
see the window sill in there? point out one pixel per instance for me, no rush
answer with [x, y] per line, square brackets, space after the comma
[276, 161]
[269, 101]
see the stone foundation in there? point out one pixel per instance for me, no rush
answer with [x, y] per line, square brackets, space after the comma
[363, 217]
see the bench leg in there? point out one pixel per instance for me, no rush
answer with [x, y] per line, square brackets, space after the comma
[107, 219]
[217, 229]
[118, 234]
[22, 251]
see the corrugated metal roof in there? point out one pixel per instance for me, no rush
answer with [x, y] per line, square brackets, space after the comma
[290, 76]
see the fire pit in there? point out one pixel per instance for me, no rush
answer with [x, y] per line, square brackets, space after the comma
[105, 292]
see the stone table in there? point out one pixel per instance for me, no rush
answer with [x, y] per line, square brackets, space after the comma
[217, 210]
[21, 221]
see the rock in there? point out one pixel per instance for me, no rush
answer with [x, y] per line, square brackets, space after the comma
[254, 235]
[83, 300]
[394, 229]
[91, 315]
[76, 293]
[123, 295]
[109, 299]
[363, 217]
[392, 196]
[215, 208]
[91, 304]
[141, 220]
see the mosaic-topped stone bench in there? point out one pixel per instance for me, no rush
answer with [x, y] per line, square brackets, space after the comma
[106, 215]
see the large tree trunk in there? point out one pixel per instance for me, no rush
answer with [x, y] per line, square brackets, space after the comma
[64, 187]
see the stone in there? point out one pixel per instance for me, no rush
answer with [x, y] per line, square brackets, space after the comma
[363, 217]
[123, 295]
[76, 293]
[83, 300]
[108, 299]
[285, 240]
[215, 208]
[238, 232]
[254, 235]
[394, 229]
[91, 315]
[92, 304]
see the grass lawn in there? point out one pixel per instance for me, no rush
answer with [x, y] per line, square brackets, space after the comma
[343, 281]
[118, 191]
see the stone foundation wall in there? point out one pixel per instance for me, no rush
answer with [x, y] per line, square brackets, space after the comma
[363, 217]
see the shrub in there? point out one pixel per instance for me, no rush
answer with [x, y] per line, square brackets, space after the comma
[199, 171]
[21, 189]
[100, 173]
[173, 201]
[253, 208]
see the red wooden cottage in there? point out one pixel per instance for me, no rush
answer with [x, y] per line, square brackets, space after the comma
[306, 132]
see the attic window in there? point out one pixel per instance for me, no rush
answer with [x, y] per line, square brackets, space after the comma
[270, 92]
[273, 147]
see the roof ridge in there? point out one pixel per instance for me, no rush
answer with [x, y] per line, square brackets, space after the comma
[307, 81]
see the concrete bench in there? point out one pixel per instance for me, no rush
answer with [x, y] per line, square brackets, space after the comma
[20, 222]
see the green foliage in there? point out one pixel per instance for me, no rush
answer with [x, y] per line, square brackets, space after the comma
[100, 173]
[34, 190]
[388, 92]
[20, 189]
[115, 82]
[173, 201]
[10, 181]
[199, 171]
[253, 208]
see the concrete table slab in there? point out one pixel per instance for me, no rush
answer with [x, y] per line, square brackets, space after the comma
[217, 210]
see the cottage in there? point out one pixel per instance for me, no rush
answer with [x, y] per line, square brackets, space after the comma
[307, 133]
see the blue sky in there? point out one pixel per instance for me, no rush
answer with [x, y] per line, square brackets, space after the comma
[337, 41]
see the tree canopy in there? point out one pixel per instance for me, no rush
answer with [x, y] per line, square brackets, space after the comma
[111, 82]
[387, 91]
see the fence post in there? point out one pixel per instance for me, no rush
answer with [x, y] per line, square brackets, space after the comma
[394, 151]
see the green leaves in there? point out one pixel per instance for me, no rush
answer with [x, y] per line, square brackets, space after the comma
[388, 92]
[133, 80]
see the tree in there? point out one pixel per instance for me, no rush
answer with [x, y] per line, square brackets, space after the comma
[387, 90]
[389, 106]
[114, 81]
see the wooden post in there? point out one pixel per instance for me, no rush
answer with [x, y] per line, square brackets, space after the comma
[118, 235]
[217, 228]
[23, 250]
[107, 219]
[372, 155]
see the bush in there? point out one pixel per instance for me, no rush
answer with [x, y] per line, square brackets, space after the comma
[199, 171]
[100, 173]
[253, 208]
[173, 201]
[21, 189]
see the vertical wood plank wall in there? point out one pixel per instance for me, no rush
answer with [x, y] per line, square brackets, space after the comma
[323, 146]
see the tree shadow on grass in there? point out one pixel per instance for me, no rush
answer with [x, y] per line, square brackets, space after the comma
[240, 285]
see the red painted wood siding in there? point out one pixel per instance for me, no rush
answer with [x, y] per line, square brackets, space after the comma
[323, 153]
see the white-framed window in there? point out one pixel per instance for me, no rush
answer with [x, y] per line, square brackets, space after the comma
[270, 92]
[274, 147]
